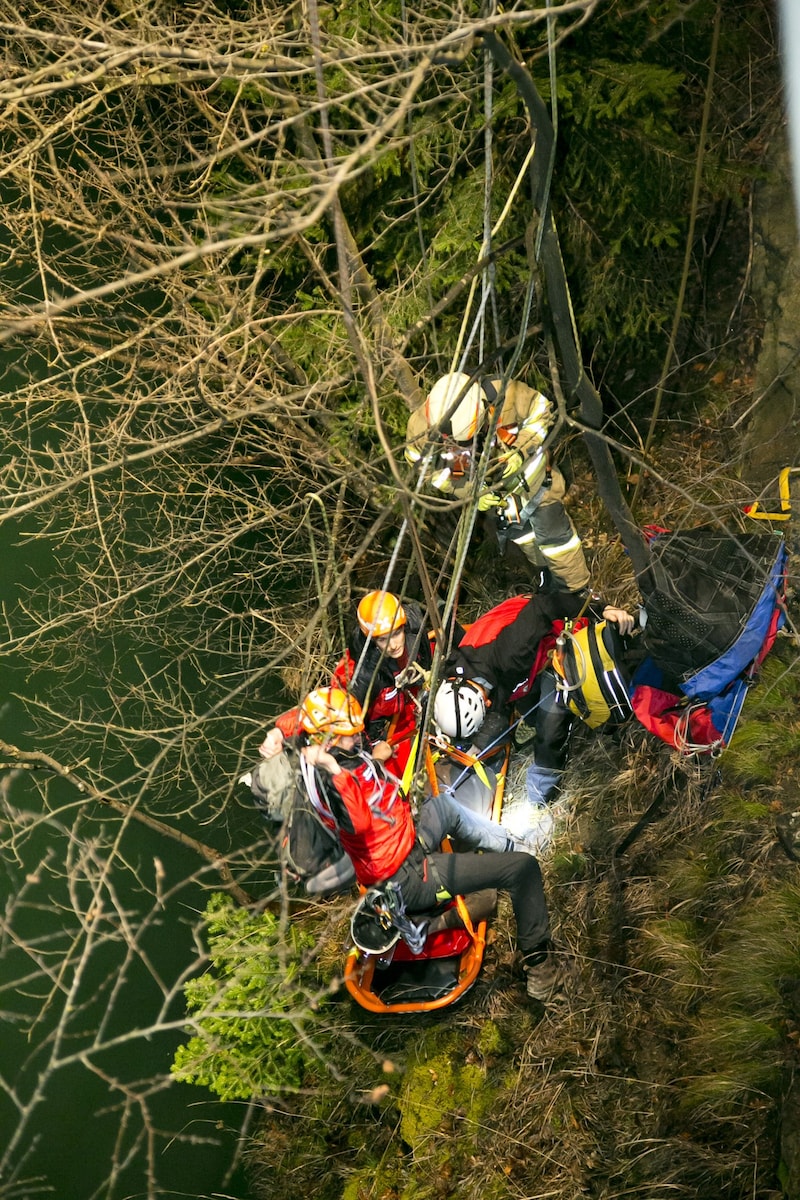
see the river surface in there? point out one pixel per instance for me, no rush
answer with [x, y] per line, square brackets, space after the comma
[99, 926]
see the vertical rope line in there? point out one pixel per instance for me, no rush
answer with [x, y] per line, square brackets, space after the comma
[687, 254]
[551, 59]
[423, 248]
[487, 275]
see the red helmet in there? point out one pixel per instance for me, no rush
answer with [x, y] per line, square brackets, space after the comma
[331, 712]
[380, 614]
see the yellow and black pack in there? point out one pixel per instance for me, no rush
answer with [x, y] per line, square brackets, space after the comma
[590, 679]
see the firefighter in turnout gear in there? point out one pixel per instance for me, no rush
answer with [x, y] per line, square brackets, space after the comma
[445, 437]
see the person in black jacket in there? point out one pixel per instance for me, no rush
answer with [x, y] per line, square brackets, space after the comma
[506, 652]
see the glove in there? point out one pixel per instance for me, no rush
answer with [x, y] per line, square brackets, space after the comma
[512, 463]
[489, 500]
[442, 481]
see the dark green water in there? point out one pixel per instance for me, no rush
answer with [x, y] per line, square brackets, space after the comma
[88, 946]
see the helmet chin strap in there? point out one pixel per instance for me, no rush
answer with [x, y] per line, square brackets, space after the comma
[456, 689]
[460, 682]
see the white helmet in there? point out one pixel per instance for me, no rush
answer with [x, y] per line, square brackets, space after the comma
[459, 708]
[468, 416]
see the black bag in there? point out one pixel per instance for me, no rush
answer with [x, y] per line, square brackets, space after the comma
[311, 853]
[703, 586]
[308, 846]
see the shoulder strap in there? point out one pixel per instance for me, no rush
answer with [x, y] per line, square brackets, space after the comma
[489, 390]
[317, 802]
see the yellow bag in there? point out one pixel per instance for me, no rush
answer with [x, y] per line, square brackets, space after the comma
[589, 680]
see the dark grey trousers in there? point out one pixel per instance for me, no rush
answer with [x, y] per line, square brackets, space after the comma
[426, 879]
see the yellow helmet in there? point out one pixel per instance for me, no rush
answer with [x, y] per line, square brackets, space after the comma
[469, 413]
[380, 614]
[332, 712]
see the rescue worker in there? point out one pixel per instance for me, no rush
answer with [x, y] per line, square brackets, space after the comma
[386, 667]
[505, 655]
[445, 437]
[462, 766]
[376, 829]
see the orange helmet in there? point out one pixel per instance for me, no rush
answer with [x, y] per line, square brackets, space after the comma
[380, 613]
[332, 712]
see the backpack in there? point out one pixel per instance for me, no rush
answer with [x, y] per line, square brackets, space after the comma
[590, 678]
[272, 785]
[709, 600]
[309, 847]
[714, 604]
[311, 852]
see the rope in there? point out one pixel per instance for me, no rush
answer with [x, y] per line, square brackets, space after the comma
[682, 735]
[465, 528]
[415, 188]
[487, 275]
[393, 559]
[490, 232]
[315, 497]
[468, 333]
[464, 344]
[687, 256]
[551, 60]
[683, 739]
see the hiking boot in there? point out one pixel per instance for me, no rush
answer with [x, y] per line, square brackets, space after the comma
[543, 979]
[539, 832]
[449, 919]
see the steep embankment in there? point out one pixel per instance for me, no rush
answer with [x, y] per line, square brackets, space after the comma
[669, 1070]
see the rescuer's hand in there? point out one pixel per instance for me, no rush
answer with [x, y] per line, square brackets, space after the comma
[272, 744]
[413, 675]
[622, 619]
[512, 463]
[317, 757]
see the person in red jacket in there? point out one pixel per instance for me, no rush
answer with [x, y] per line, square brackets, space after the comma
[385, 667]
[377, 830]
